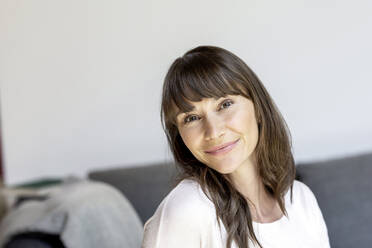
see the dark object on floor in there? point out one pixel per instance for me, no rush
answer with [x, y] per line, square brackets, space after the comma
[35, 240]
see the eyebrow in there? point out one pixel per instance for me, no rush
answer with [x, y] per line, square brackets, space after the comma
[181, 112]
[193, 107]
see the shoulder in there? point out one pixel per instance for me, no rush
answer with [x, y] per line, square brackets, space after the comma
[302, 191]
[303, 198]
[183, 219]
[187, 198]
[185, 203]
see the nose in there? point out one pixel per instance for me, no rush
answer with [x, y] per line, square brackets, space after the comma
[213, 127]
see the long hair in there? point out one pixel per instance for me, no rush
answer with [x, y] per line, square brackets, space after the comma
[208, 71]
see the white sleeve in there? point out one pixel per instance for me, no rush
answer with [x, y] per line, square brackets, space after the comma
[177, 223]
[319, 220]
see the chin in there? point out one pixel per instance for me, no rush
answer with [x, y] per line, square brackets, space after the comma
[225, 172]
[224, 169]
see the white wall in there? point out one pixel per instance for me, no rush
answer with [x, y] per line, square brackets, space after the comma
[81, 80]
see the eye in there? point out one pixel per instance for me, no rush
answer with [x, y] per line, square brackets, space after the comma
[190, 118]
[226, 104]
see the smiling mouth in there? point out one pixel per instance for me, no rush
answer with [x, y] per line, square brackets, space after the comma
[223, 148]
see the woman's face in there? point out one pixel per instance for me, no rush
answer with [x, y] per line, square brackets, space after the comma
[220, 133]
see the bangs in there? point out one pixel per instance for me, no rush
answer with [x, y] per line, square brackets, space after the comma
[193, 82]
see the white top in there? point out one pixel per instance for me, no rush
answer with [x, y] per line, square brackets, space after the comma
[186, 218]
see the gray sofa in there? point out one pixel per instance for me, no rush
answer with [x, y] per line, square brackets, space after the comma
[343, 188]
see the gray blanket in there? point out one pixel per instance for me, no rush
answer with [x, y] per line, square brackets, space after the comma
[84, 214]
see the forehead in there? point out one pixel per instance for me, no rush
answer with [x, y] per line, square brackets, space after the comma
[196, 104]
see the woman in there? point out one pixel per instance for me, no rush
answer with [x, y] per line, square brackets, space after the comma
[237, 187]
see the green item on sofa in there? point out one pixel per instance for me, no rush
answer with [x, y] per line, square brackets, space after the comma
[40, 183]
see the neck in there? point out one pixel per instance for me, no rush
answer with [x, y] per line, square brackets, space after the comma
[263, 206]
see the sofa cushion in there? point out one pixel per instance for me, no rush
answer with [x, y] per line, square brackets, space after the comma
[144, 186]
[343, 188]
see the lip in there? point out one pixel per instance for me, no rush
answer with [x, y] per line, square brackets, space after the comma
[222, 148]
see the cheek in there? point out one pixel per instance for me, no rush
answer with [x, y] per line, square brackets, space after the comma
[251, 131]
[241, 121]
[245, 124]
[189, 137]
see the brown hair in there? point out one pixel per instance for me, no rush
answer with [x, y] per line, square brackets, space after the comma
[208, 71]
